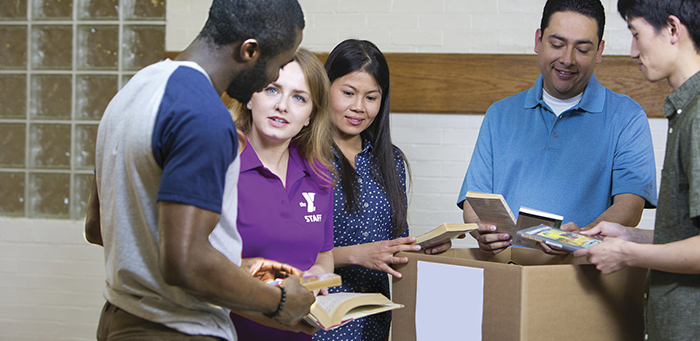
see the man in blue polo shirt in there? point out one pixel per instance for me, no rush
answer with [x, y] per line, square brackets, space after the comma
[568, 145]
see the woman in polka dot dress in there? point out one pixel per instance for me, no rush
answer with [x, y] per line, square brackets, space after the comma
[370, 208]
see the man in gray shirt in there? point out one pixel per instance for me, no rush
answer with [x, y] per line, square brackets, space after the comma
[666, 45]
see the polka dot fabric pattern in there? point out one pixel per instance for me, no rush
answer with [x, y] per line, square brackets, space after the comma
[372, 223]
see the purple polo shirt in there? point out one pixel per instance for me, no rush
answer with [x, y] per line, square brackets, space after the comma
[290, 225]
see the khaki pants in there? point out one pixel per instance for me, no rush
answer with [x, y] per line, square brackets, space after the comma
[116, 324]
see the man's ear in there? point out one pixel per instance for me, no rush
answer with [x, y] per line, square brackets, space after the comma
[249, 51]
[599, 56]
[674, 27]
[538, 40]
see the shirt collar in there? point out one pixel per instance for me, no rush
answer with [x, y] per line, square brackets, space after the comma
[366, 148]
[682, 96]
[250, 161]
[593, 100]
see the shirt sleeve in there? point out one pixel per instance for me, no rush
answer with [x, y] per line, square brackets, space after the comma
[634, 167]
[194, 142]
[691, 166]
[479, 175]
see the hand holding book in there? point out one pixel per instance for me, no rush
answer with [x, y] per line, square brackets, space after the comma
[268, 270]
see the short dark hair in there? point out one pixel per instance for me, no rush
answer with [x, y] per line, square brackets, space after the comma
[656, 13]
[590, 8]
[273, 23]
[354, 55]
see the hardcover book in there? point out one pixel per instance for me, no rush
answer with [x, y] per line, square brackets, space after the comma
[442, 234]
[492, 209]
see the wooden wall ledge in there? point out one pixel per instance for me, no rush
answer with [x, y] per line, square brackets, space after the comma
[470, 83]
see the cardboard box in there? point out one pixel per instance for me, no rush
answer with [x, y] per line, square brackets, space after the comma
[519, 290]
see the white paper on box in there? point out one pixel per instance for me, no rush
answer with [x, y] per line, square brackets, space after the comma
[449, 302]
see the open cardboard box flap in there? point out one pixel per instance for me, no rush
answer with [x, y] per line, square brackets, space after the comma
[529, 295]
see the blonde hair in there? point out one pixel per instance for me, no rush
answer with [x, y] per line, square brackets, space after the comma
[314, 140]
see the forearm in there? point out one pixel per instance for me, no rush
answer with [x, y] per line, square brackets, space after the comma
[344, 256]
[211, 277]
[626, 210]
[678, 257]
[324, 263]
[468, 214]
[188, 260]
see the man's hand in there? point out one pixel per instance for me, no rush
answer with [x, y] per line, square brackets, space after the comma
[491, 243]
[554, 251]
[305, 328]
[443, 247]
[297, 304]
[268, 270]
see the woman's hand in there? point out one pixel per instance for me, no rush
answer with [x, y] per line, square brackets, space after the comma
[380, 255]
[323, 264]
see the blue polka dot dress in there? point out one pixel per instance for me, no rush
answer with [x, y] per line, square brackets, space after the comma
[372, 223]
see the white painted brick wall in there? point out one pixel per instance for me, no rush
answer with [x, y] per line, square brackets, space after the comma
[51, 280]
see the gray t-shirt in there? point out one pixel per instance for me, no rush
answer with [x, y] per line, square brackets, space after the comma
[166, 136]
[673, 300]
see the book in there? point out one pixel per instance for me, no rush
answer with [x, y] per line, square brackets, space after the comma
[442, 234]
[313, 282]
[492, 209]
[334, 310]
[567, 240]
[320, 281]
[528, 217]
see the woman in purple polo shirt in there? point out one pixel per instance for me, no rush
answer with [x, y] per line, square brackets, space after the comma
[285, 189]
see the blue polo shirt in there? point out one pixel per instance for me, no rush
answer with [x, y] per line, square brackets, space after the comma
[571, 165]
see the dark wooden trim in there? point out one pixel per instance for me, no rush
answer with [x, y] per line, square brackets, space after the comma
[469, 83]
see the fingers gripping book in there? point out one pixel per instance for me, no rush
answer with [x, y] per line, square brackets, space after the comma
[493, 209]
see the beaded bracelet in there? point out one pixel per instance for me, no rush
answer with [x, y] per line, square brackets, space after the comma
[280, 306]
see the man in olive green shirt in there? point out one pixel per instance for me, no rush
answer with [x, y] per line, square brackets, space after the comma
[666, 45]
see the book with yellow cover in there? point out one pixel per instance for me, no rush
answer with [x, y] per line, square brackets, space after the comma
[566, 240]
[320, 281]
[334, 310]
[442, 234]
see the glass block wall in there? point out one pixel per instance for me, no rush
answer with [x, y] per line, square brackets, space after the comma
[61, 61]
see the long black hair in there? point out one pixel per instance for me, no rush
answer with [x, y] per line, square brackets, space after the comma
[360, 55]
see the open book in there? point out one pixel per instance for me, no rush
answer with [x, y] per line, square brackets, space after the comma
[442, 234]
[493, 209]
[336, 309]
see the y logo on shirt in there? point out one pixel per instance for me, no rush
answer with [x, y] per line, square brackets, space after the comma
[310, 207]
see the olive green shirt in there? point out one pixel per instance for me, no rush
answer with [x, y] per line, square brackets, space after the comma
[672, 310]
